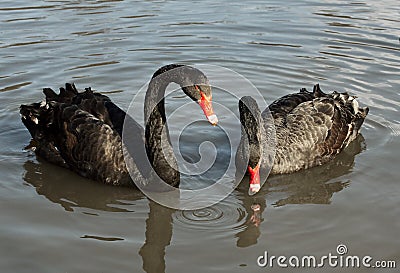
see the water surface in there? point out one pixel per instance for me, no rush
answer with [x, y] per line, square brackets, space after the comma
[55, 221]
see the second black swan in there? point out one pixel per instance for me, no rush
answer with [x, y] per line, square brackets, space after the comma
[311, 128]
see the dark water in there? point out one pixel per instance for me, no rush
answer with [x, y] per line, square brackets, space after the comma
[55, 221]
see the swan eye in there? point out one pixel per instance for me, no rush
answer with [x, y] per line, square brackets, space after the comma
[193, 91]
[203, 91]
[198, 89]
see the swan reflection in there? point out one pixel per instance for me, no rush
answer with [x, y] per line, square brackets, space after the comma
[158, 237]
[317, 185]
[312, 186]
[239, 216]
[69, 190]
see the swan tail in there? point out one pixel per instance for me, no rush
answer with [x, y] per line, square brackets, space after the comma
[336, 118]
[40, 118]
[37, 118]
[360, 113]
[31, 116]
[350, 108]
[352, 113]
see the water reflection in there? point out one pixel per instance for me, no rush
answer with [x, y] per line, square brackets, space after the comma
[312, 186]
[160, 222]
[238, 217]
[63, 187]
[69, 190]
[255, 207]
[158, 237]
[229, 216]
[315, 186]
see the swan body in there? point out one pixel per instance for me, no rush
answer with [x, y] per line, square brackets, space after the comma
[311, 128]
[82, 131]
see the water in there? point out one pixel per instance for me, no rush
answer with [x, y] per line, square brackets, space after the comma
[55, 221]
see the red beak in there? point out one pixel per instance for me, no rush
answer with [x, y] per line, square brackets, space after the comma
[255, 185]
[206, 104]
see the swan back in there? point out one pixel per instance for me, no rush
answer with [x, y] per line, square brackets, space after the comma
[313, 127]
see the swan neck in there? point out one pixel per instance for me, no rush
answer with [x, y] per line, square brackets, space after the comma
[157, 141]
[156, 91]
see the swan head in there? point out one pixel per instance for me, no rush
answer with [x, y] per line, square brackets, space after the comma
[201, 93]
[196, 85]
[193, 83]
[251, 120]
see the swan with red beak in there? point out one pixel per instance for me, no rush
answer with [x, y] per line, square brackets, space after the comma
[250, 118]
[297, 131]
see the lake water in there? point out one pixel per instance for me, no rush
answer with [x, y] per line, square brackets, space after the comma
[55, 221]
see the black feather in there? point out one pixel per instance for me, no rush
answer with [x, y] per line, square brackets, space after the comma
[311, 128]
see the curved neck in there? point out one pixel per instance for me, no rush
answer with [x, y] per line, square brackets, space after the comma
[251, 120]
[157, 141]
[157, 86]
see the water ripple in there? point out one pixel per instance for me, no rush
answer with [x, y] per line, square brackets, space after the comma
[273, 44]
[14, 87]
[380, 124]
[223, 216]
[100, 238]
[26, 8]
[93, 65]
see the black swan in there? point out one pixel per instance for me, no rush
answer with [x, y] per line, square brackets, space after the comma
[83, 131]
[311, 128]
